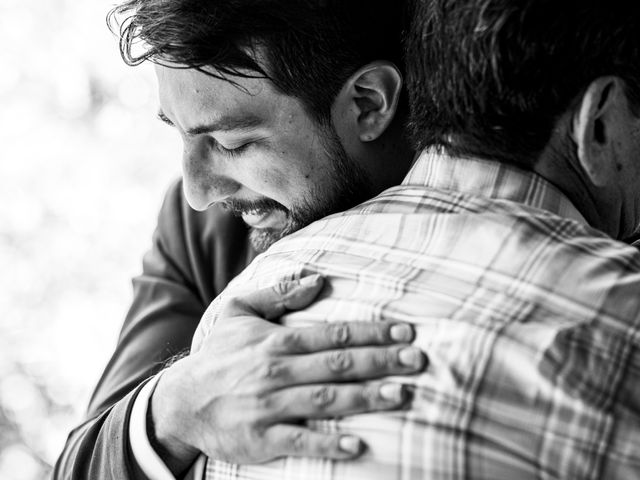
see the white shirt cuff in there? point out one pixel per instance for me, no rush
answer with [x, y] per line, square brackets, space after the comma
[146, 457]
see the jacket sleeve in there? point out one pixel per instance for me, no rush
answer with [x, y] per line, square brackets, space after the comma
[193, 256]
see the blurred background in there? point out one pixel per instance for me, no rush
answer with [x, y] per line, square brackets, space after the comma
[83, 168]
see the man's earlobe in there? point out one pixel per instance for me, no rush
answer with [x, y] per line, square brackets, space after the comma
[375, 90]
[594, 126]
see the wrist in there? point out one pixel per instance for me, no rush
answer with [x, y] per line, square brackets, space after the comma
[169, 444]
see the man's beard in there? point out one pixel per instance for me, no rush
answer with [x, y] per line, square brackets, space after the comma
[348, 187]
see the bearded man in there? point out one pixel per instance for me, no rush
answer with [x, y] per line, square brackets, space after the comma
[289, 111]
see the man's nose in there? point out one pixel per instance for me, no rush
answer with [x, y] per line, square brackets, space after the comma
[205, 173]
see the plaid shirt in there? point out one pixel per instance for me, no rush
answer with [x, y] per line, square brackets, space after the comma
[530, 319]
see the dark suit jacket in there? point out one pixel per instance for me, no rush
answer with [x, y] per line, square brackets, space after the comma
[193, 257]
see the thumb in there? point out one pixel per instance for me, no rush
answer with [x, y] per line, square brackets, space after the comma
[272, 302]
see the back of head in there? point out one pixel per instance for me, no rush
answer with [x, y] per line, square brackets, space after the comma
[490, 78]
[307, 48]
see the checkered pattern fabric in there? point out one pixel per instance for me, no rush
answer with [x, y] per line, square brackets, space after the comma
[530, 319]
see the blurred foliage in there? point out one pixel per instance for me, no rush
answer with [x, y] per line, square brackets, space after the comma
[83, 167]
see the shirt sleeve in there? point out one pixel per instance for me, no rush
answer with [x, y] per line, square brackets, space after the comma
[193, 256]
[144, 454]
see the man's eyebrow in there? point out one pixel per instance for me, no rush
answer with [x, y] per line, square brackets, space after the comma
[222, 125]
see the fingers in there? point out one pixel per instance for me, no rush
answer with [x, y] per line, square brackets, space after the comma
[363, 363]
[294, 441]
[339, 335]
[273, 302]
[352, 364]
[333, 400]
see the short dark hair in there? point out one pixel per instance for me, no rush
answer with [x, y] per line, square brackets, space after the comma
[490, 78]
[311, 46]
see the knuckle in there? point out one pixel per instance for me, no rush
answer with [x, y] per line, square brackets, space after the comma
[327, 445]
[323, 396]
[370, 395]
[291, 340]
[273, 341]
[272, 369]
[383, 333]
[364, 398]
[282, 289]
[339, 361]
[386, 359]
[263, 406]
[287, 341]
[339, 334]
[297, 441]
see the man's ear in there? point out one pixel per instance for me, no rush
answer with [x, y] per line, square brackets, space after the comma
[369, 99]
[596, 126]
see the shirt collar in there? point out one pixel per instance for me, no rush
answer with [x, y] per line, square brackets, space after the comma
[491, 179]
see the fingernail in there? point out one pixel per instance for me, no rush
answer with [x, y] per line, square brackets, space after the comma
[410, 357]
[310, 280]
[401, 332]
[391, 392]
[349, 444]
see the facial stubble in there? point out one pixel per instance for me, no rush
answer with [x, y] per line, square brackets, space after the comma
[348, 186]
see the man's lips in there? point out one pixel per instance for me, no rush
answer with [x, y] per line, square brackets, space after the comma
[272, 218]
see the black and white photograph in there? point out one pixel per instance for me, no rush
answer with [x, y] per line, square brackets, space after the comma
[319, 240]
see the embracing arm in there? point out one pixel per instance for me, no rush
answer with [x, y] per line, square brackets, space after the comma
[177, 283]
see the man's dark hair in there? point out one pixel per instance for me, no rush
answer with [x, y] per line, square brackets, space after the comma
[307, 48]
[489, 78]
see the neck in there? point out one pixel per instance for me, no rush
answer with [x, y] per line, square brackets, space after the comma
[394, 156]
[602, 207]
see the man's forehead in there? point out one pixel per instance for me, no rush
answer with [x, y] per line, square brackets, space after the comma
[199, 102]
[207, 81]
